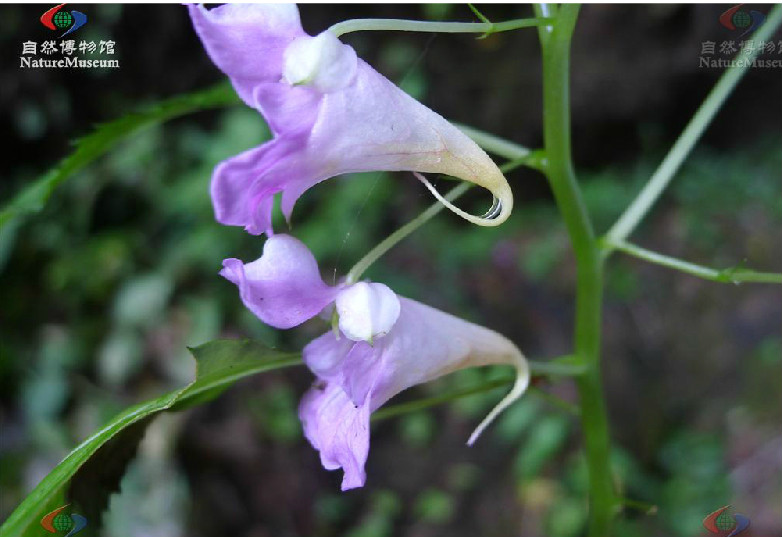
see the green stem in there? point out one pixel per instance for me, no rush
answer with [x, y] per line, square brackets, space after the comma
[517, 154]
[360, 25]
[692, 133]
[729, 275]
[392, 240]
[645, 507]
[559, 367]
[555, 42]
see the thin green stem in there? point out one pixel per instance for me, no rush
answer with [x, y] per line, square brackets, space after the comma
[517, 154]
[645, 507]
[555, 401]
[555, 42]
[560, 367]
[429, 402]
[692, 133]
[403, 25]
[729, 275]
[495, 144]
[397, 236]
[392, 240]
[481, 16]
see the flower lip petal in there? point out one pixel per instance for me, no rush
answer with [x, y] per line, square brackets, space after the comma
[339, 430]
[283, 287]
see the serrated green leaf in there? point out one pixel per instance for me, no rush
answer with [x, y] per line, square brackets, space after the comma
[34, 196]
[92, 471]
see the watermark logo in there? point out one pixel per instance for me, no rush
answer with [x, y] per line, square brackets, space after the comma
[722, 522]
[737, 19]
[736, 51]
[67, 53]
[57, 19]
[59, 522]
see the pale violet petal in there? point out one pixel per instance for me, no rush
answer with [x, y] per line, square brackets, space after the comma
[247, 41]
[339, 430]
[283, 287]
[357, 378]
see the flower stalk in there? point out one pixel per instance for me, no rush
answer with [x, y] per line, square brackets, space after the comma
[403, 25]
[555, 43]
[729, 275]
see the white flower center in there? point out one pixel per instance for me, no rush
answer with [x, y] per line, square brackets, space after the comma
[367, 310]
[323, 62]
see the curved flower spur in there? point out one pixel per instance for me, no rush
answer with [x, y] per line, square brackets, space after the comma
[382, 344]
[330, 113]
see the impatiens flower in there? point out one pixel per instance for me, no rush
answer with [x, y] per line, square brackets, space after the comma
[330, 114]
[384, 345]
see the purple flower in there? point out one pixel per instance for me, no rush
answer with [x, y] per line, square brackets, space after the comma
[330, 114]
[384, 345]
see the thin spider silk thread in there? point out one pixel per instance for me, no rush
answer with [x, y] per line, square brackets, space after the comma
[377, 176]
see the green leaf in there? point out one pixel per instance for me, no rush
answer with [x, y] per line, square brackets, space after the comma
[91, 472]
[33, 197]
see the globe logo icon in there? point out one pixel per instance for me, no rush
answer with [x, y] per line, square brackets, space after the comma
[736, 18]
[721, 522]
[62, 19]
[60, 522]
[741, 19]
[58, 19]
[725, 522]
[63, 523]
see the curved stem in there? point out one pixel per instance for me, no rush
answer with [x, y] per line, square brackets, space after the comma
[555, 42]
[403, 25]
[397, 236]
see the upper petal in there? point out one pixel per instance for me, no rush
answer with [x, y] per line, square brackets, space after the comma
[283, 287]
[247, 41]
[374, 125]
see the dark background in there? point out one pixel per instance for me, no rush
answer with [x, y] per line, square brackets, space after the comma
[105, 288]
